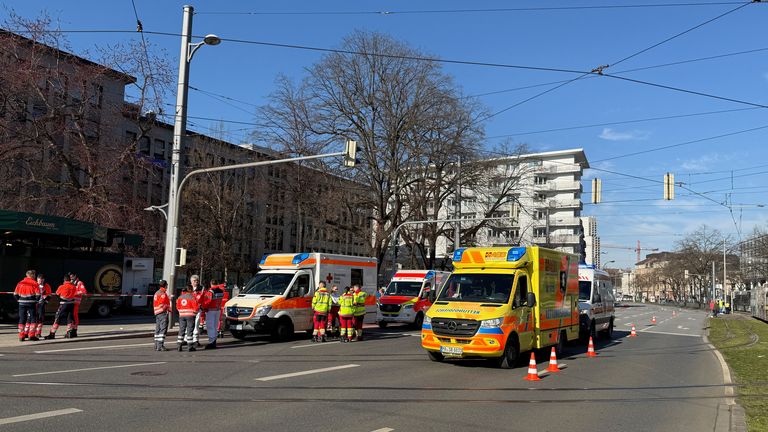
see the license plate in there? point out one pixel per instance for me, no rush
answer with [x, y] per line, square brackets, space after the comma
[238, 327]
[453, 351]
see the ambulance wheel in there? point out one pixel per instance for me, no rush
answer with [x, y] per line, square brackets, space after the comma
[238, 334]
[382, 324]
[283, 330]
[435, 356]
[418, 321]
[511, 354]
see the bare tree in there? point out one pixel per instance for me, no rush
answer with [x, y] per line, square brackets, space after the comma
[62, 122]
[393, 105]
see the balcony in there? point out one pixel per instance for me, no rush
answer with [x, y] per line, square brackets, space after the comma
[564, 221]
[559, 168]
[558, 186]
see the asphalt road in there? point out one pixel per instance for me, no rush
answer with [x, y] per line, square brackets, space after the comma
[666, 379]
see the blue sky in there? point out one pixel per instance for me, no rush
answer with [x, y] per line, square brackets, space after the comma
[570, 39]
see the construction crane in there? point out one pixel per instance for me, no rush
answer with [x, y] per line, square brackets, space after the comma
[636, 249]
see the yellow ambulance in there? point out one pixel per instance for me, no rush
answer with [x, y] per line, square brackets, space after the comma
[503, 301]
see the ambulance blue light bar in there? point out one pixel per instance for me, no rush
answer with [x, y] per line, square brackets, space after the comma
[264, 258]
[515, 253]
[457, 254]
[299, 258]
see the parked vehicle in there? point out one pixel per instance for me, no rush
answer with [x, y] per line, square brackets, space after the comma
[500, 302]
[408, 297]
[596, 302]
[278, 299]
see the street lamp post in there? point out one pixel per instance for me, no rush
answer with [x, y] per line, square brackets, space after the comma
[188, 49]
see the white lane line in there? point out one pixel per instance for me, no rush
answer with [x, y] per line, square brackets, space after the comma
[43, 383]
[93, 348]
[307, 372]
[89, 369]
[314, 344]
[37, 416]
[669, 333]
[383, 430]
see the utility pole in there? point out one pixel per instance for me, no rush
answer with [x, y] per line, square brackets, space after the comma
[726, 294]
[546, 222]
[457, 232]
[713, 280]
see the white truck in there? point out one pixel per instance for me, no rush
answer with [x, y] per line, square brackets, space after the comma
[278, 299]
[596, 302]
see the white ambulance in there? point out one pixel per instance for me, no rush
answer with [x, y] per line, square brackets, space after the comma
[408, 296]
[278, 300]
[596, 302]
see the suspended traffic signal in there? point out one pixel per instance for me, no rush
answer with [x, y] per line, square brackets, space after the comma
[597, 190]
[669, 186]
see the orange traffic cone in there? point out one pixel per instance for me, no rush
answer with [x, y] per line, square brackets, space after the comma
[533, 374]
[553, 367]
[633, 333]
[653, 320]
[591, 348]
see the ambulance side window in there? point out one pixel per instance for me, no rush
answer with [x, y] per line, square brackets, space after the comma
[356, 277]
[301, 287]
[596, 292]
[521, 293]
[425, 290]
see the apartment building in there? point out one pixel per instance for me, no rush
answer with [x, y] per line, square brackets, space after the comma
[591, 241]
[538, 194]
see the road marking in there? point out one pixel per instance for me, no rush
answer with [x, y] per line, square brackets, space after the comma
[41, 415]
[89, 369]
[92, 348]
[43, 383]
[383, 430]
[307, 372]
[314, 344]
[668, 333]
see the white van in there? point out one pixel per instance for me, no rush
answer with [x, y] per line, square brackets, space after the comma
[596, 302]
[278, 300]
[408, 296]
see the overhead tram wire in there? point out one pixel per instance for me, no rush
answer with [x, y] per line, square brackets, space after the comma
[416, 58]
[490, 10]
[140, 30]
[599, 70]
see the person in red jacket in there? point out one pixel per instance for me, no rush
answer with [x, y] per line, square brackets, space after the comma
[188, 308]
[211, 305]
[197, 293]
[79, 294]
[223, 311]
[45, 292]
[66, 293]
[27, 293]
[162, 306]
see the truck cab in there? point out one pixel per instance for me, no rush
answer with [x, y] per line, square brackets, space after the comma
[596, 302]
[408, 296]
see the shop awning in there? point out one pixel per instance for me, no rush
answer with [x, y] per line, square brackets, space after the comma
[38, 223]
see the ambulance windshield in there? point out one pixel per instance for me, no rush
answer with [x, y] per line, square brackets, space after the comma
[400, 288]
[268, 283]
[481, 288]
[585, 290]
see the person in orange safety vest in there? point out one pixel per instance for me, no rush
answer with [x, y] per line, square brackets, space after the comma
[27, 293]
[66, 293]
[79, 294]
[188, 308]
[210, 303]
[45, 292]
[162, 307]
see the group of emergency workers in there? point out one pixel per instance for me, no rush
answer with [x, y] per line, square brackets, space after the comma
[196, 305]
[32, 294]
[348, 308]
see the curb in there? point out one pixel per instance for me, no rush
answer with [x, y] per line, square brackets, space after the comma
[730, 415]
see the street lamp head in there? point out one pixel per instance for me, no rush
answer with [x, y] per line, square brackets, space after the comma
[211, 39]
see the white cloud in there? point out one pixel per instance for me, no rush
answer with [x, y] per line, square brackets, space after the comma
[614, 135]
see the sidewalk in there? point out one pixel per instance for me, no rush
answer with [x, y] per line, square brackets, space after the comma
[118, 327]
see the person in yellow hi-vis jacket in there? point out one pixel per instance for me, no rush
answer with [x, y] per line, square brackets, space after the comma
[347, 315]
[359, 297]
[321, 305]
